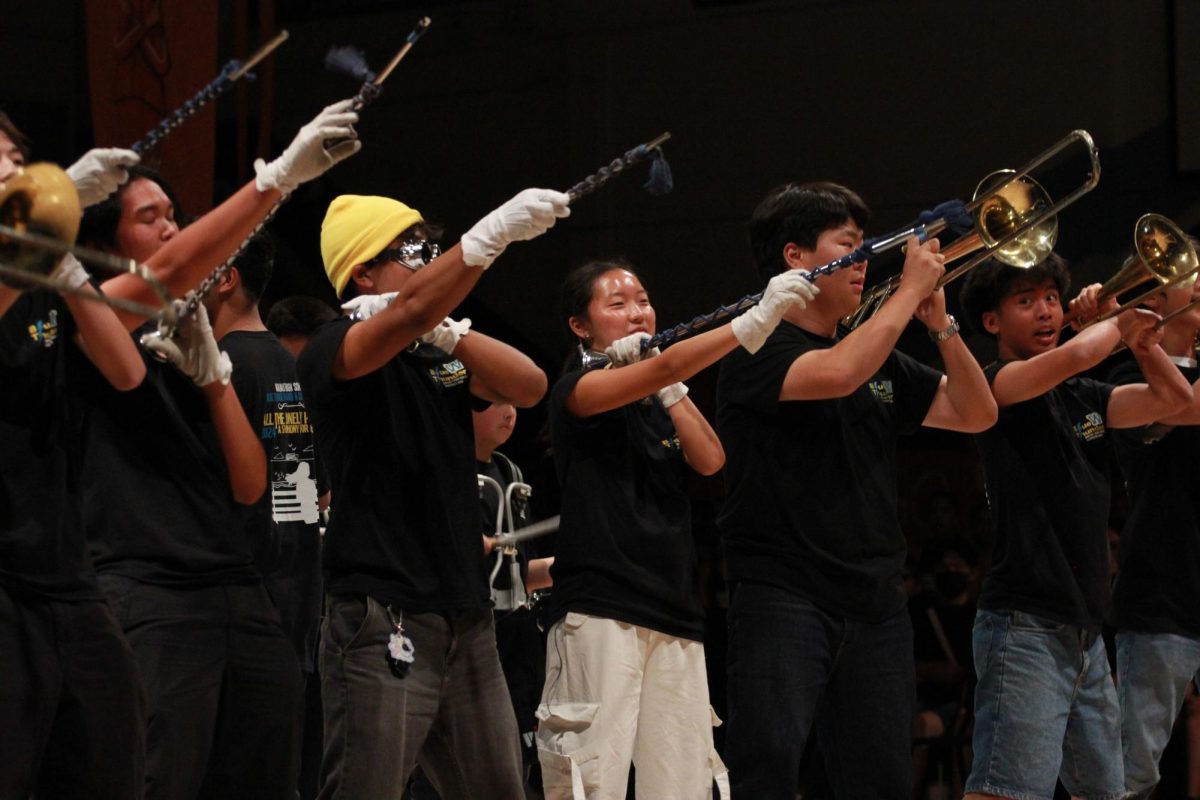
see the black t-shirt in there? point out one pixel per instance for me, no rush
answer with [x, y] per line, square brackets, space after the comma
[811, 484]
[625, 548]
[1047, 462]
[1158, 587]
[43, 549]
[157, 500]
[400, 452]
[284, 528]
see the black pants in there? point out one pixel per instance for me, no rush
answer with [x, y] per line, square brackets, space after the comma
[223, 685]
[72, 708]
[450, 711]
[792, 667]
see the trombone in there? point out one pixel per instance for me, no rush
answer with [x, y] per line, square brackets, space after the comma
[39, 220]
[1013, 216]
[1161, 252]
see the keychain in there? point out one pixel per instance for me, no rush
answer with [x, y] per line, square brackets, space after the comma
[400, 647]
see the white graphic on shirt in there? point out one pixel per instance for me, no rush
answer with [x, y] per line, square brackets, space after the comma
[294, 499]
[285, 428]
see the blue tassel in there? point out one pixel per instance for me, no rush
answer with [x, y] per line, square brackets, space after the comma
[954, 212]
[661, 181]
[349, 60]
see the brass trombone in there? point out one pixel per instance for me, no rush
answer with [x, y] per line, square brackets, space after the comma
[1161, 252]
[39, 220]
[1014, 218]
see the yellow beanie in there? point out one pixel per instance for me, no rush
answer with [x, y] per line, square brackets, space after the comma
[356, 229]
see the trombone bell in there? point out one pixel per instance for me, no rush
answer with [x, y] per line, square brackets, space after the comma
[1005, 208]
[1162, 253]
[39, 199]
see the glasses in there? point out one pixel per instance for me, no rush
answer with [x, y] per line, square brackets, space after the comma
[413, 254]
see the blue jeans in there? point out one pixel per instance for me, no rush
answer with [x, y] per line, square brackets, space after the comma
[1045, 709]
[1153, 670]
[791, 666]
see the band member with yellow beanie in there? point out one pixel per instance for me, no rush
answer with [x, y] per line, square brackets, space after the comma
[408, 652]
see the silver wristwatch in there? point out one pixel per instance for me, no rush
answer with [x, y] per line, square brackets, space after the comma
[943, 335]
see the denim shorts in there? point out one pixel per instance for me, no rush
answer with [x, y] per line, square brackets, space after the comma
[1154, 671]
[1045, 708]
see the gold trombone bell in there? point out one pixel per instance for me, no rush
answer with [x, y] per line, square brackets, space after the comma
[39, 199]
[1161, 252]
[1014, 217]
[1008, 207]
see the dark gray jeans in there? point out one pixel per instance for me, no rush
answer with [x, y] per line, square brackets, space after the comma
[451, 712]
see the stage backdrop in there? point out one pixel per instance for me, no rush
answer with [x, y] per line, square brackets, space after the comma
[145, 59]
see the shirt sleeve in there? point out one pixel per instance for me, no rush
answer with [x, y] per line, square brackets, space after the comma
[755, 381]
[315, 365]
[563, 421]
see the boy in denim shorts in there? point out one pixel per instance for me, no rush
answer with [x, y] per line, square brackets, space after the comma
[1045, 705]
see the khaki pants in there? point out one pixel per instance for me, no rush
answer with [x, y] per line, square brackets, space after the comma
[617, 693]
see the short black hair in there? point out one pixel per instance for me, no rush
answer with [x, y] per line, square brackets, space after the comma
[255, 263]
[986, 286]
[298, 315]
[99, 225]
[19, 139]
[799, 213]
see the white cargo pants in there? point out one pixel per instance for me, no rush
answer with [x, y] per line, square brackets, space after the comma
[617, 693]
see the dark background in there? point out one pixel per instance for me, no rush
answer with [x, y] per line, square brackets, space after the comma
[910, 103]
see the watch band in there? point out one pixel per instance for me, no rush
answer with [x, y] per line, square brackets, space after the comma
[943, 335]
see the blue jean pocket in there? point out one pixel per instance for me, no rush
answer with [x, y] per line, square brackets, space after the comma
[1021, 621]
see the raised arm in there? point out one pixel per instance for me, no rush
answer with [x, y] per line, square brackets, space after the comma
[963, 401]
[1190, 415]
[183, 262]
[500, 372]
[642, 374]
[605, 389]
[839, 370]
[1018, 381]
[101, 336]
[1164, 394]
[193, 350]
[432, 292]
[243, 452]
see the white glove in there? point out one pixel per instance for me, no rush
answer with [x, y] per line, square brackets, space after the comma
[446, 335]
[791, 288]
[193, 350]
[628, 349]
[526, 216]
[100, 172]
[670, 395]
[306, 157]
[366, 306]
[69, 272]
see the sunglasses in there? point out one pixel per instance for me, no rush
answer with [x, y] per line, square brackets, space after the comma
[412, 254]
